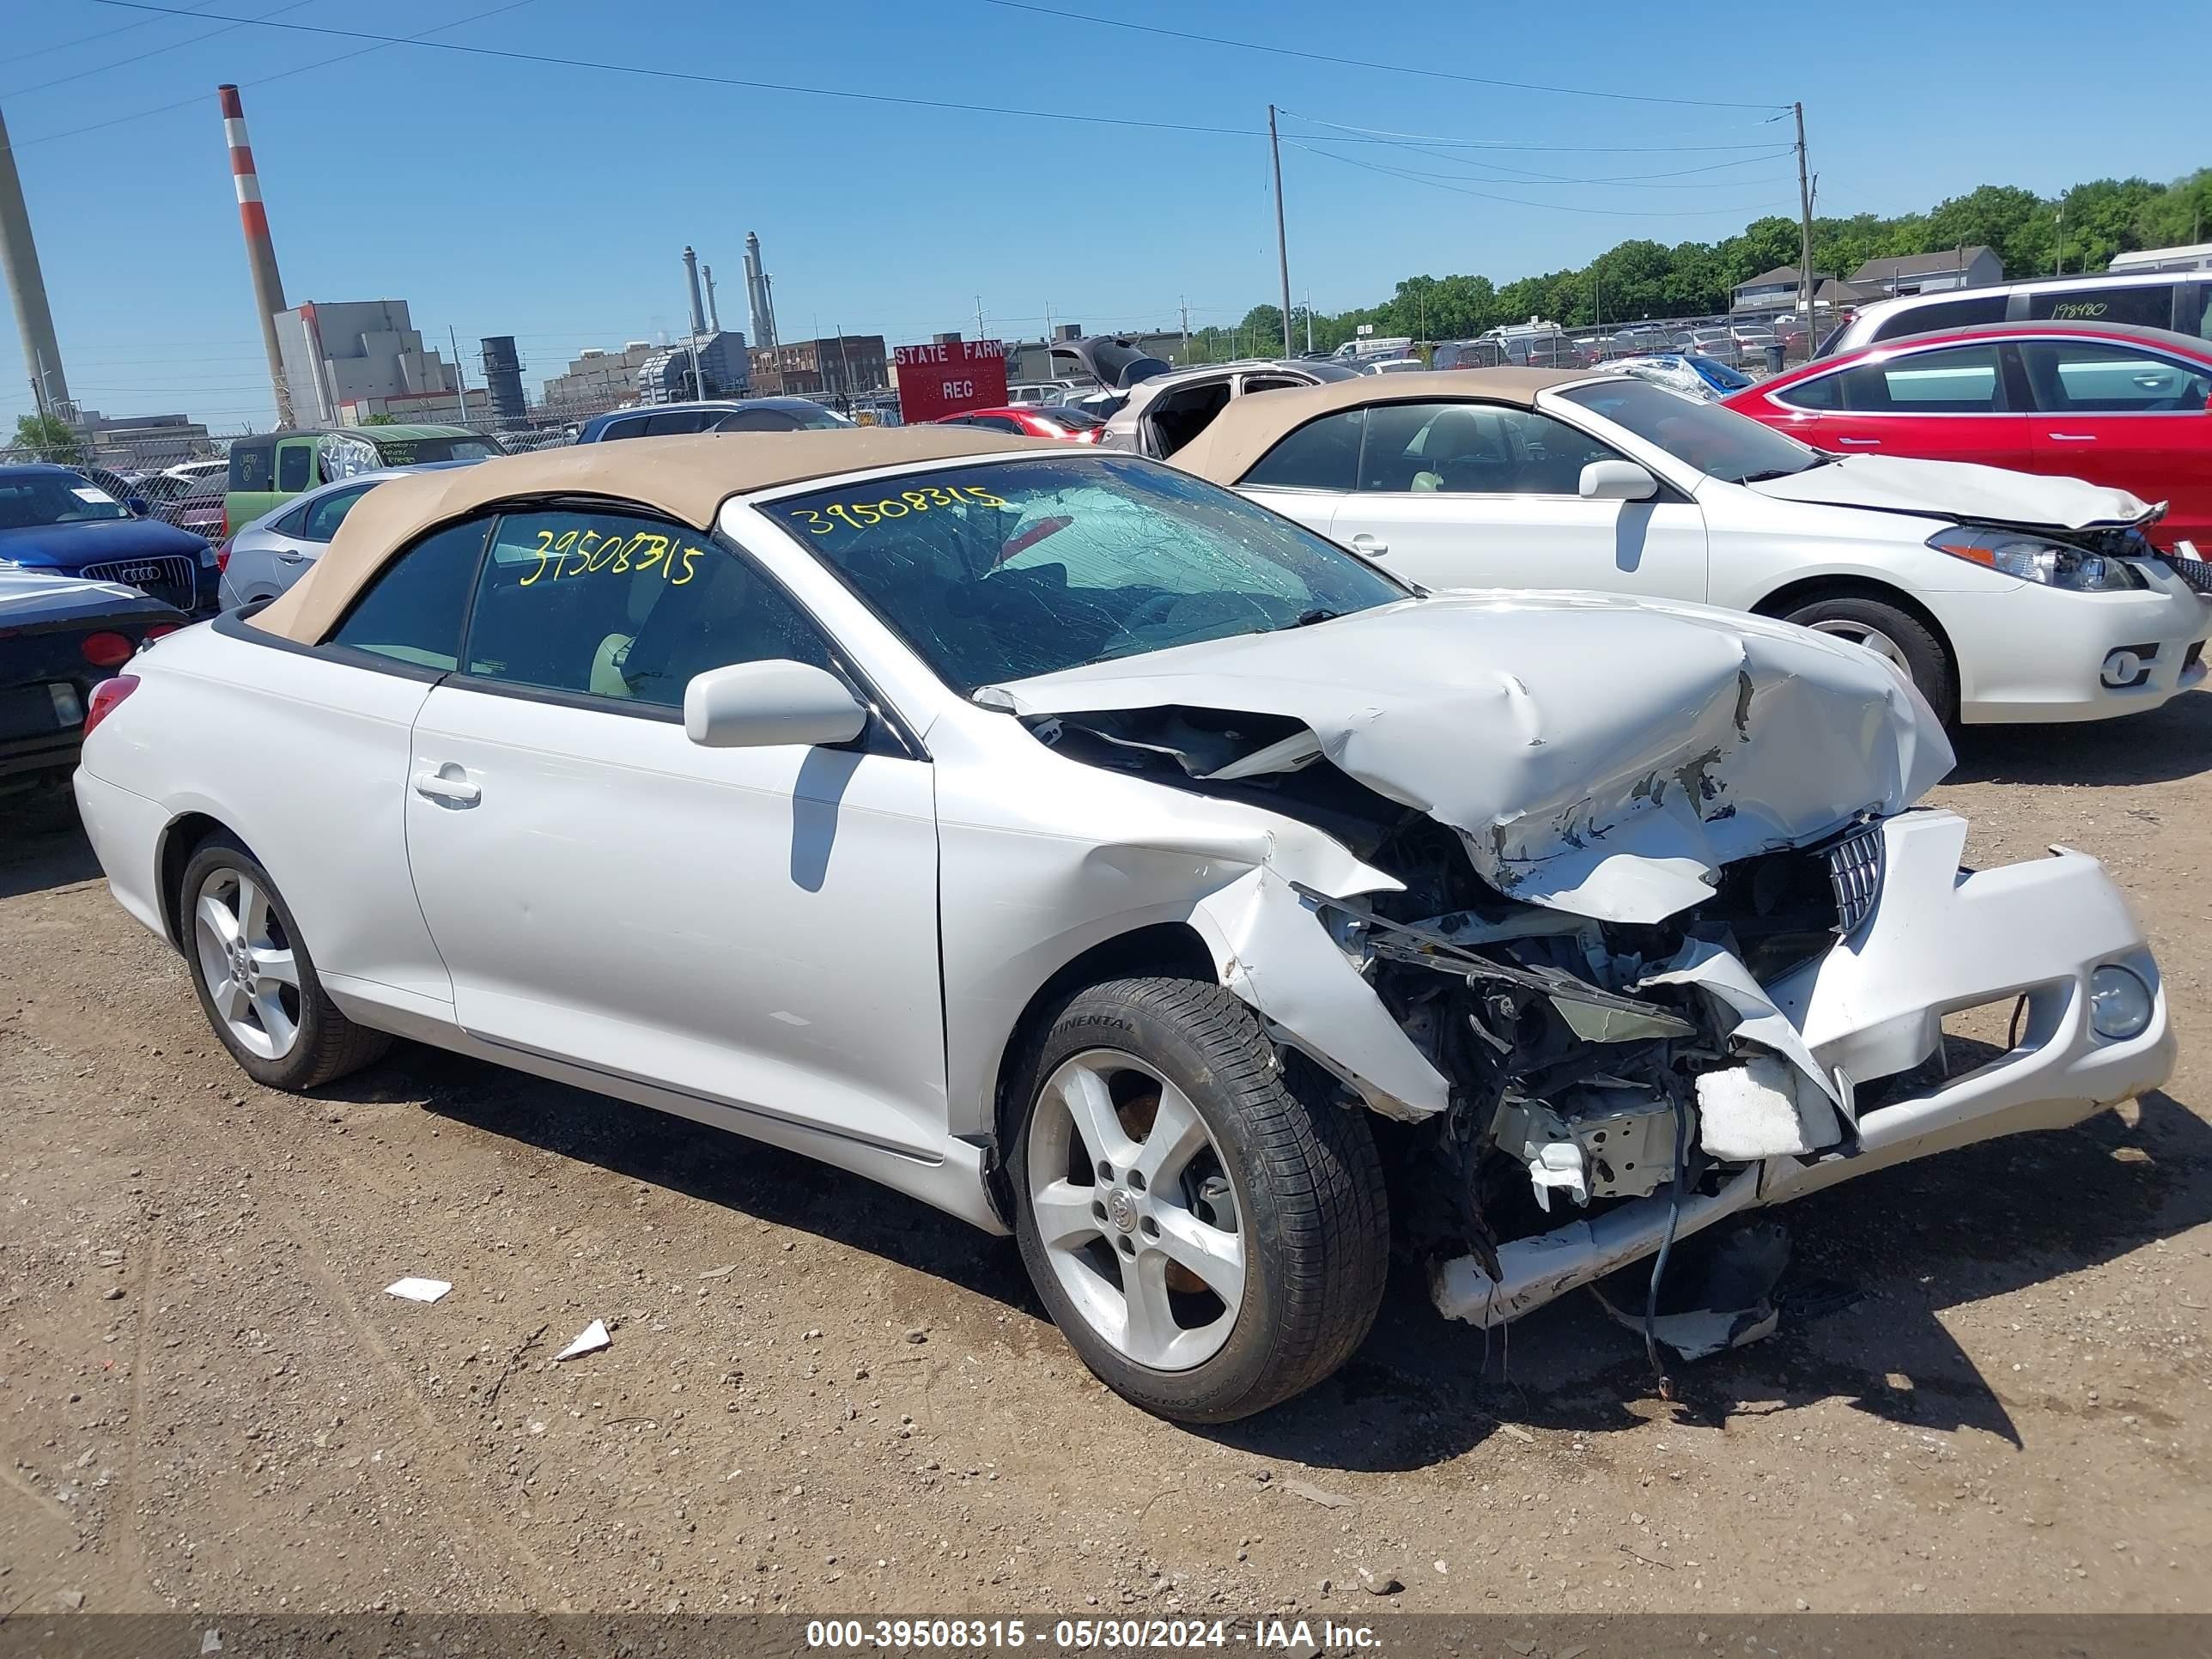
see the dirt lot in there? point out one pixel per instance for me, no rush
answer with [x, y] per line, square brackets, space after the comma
[821, 1396]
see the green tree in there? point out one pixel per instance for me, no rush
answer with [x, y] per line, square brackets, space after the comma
[47, 438]
[380, 419]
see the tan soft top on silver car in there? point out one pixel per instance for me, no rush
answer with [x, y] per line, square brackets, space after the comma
[1250, 427]
[686, 479]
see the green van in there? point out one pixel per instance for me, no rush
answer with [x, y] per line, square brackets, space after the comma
[270, 468]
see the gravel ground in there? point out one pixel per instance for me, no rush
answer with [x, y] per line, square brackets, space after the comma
[1989, 1392]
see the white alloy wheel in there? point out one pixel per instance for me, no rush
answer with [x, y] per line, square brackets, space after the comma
[252, 977]
[1135, 1210]
[1865, 633]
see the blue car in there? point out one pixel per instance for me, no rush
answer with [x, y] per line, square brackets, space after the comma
[55, 519]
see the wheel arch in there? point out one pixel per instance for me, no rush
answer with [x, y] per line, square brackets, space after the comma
[179, 841]
[1809, 590]
[1160, 950]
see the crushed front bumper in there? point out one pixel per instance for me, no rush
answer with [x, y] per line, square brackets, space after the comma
[1940, 941]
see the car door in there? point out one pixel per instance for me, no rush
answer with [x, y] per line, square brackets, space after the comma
[295, 464]
[2119, 414]
[1944, 402]
[1311, 471]
[1480, 495]
[751, 929]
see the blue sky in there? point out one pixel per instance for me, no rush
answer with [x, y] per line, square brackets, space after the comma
[499, 197]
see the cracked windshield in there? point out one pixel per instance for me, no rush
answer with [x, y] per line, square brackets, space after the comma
[1002, 571]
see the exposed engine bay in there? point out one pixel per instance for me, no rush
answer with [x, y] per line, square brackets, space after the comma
[1588, 1061]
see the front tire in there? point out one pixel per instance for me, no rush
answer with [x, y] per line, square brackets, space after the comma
[256, 983]
[1212, 1238]
[1890, 631]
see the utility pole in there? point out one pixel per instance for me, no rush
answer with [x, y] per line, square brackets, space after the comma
[1805, 209]
[2059, 269]
[1309, 321]
[1282, 242]
[460, 381]
[978, 316]
[1185, 304]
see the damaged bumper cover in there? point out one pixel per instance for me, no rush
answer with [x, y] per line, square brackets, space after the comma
[1939, 941]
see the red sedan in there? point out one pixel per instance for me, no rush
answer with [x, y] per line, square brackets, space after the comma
[2127, 407]
[1039, 421]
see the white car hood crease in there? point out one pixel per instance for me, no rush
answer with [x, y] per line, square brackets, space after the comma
[1600, 756]
[1960, 491]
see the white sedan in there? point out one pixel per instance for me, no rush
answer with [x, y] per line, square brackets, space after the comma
[1085, 850]
[2005, 596]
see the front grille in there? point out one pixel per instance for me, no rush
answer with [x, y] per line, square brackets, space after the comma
[2195, 572]
[1855, 871]
[171, 578]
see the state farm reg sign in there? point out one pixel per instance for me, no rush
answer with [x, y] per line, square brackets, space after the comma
[936, 380]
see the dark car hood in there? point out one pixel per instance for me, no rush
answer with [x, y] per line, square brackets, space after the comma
[31, 600]
[72, 546]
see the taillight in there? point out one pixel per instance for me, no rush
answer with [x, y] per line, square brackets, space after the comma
[107, 650]
[105, 698]
[222, 553]
[159, 629]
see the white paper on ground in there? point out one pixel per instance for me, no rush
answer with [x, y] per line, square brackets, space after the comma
[417, 1290]
[590, 1340]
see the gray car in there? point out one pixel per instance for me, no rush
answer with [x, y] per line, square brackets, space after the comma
[278, 547]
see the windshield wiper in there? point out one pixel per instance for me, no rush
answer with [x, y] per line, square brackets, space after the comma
[1318, 614]
[1783, 472]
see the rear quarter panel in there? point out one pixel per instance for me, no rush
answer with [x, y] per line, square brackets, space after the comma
[305, 760]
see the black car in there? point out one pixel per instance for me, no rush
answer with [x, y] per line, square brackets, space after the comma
[59, 637]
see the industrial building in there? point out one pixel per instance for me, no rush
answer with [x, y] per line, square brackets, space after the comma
[503, 372]
[598, 380]
[839, 369]
[344, 361]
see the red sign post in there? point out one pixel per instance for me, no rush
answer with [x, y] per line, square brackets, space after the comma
[936, 380]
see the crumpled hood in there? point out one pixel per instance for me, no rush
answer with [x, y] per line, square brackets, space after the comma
[1598, 755]
[1960, 491]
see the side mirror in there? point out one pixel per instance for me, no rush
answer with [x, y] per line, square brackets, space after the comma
[1617, 481]
[136, 504]
[758, 704]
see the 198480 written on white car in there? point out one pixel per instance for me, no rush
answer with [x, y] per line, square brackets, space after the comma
[1096, 855]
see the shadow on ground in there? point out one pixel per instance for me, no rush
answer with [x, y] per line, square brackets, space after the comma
[39, 851]
[1874, 1264]
[2169, 743]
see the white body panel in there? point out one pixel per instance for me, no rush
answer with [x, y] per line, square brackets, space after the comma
[749, 925]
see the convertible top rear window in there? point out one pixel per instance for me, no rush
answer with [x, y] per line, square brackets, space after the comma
[1001, 571]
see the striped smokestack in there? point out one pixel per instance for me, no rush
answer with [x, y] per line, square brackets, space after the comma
[260, 251]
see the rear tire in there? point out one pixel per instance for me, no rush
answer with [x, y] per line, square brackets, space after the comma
[1890, 631]
[1210, 1237]
[256, 983]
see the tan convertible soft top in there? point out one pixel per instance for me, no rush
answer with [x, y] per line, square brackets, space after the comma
[686, 479]
[1252, 426]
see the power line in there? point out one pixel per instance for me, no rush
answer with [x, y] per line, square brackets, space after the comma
[1765, 153]
[1387, 135]
[1516, 201]
[199, 100]
[1336, 62]
[697, 78]
[86, 39]
[104, 68]
[1610, 184]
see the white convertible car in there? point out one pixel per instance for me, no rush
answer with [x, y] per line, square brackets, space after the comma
[1086, 851]
[2007, 596]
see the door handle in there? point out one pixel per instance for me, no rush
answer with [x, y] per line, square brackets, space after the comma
[1861, 443]
[293, 558]
[2071, 437]
[446, 785]
[1364, 543]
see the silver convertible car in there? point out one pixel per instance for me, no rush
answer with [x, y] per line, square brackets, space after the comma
[1104, 859]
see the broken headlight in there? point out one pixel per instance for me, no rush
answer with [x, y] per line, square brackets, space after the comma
[2037, 559]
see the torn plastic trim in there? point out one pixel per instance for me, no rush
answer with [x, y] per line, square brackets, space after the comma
[1275, 954]
[1588, 1009]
